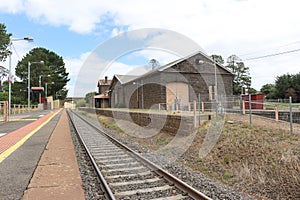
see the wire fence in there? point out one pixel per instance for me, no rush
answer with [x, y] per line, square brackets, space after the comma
[280, 114]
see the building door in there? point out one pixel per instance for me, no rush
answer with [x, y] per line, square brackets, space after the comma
[177, 94]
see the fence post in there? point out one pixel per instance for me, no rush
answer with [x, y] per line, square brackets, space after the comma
[291, 117]
[250, 110]
[5, 111]
[276, 113]
[195, 116]
[202, 106]
[243, 106]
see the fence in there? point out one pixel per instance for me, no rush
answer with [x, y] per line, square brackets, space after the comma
[15, 109]
[281, 114]
[4, 111]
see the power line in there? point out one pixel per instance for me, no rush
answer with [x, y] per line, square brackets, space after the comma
[16, 51]
[271, 48]
[274, 54]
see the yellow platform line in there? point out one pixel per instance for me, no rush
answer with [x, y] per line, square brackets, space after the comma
[23, 119]
[11, 149]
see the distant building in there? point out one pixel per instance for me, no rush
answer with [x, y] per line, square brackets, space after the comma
[102, 100]
[175, 84]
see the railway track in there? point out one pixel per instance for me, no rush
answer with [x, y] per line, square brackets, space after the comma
[125, 174]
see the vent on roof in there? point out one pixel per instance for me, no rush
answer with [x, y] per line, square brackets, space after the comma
[199, 61]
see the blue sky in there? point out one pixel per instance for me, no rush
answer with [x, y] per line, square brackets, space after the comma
[58, 39]
[74, 29]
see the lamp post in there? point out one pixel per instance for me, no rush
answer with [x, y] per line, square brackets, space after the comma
[216, 79]
[137, 88]
[9, 70]
[28, 80]
[40, 85]
[46, 87]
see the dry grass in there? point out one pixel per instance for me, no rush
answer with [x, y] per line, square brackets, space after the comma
[259, 160]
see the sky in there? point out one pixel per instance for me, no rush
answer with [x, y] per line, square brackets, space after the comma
[264, 34]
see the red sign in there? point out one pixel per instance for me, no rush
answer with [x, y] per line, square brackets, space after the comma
[37, 88]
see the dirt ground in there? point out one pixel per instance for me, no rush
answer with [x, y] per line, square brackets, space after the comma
[262, 160]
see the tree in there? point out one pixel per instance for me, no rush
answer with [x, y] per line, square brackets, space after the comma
[89, 95]
[3, 74]
[217, 58]
[282, 84]
[288, 85]
[52, 72]
[4, 42]
[296, 84]
[269, 90]
[241, 74]
[154, 63]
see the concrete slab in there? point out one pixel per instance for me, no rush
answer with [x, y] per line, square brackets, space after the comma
[57, 175]
[50, 193]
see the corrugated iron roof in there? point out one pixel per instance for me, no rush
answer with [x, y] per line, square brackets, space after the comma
[101, 96]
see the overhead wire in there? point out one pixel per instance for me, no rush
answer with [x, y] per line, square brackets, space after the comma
[274, 54]
[271, 48]
[15, 51]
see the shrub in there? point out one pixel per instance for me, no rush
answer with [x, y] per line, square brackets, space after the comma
[80, 103]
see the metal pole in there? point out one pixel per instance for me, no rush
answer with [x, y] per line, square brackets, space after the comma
[9, 79]
[40, 85]
[216, 82]
[46, 90]
[142, 84]
[199, 108]
[250, 110]
[291, 117]
[195, 118]
[28, 92]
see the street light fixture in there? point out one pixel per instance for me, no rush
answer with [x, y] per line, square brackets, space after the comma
[9, 73]
[28, 80]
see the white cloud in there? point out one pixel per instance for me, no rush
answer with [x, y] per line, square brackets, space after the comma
[19, 50]
[224, 27]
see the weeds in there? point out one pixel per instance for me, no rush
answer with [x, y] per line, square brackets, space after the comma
[226, 159]
[227, 175]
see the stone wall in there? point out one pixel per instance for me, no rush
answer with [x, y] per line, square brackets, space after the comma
[165, 123]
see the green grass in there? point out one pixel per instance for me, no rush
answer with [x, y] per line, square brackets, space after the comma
[281, 106]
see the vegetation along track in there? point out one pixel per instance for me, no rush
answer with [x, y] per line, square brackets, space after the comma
[124, 173]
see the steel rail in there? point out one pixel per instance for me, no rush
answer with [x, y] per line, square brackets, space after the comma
[106, 189]
[190, 191]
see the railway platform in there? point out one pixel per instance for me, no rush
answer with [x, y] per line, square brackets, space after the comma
[37, 158]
